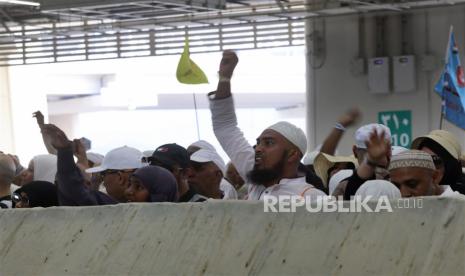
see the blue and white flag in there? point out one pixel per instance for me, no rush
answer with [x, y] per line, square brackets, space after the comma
[451, 86]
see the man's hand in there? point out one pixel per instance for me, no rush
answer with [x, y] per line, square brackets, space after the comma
[378, 147]
[57, 136]
[79, 150]
[80, 153]
[39, 117]
[350, 117]
[228, 63]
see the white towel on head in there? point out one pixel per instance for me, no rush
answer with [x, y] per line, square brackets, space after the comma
[377, 188]
[45, 167]
[337, 178]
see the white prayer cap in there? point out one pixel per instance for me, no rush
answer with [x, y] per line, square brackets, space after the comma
[362, 135]
[377, 188]
[204, 156]
[203, 145]
[412, 159]
[337, 178]
[292, 133]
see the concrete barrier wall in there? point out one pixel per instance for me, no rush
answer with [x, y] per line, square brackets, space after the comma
[232, 238]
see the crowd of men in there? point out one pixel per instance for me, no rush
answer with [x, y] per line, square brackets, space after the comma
[278, 164]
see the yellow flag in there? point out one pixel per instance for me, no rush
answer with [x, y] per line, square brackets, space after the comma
[188, 72]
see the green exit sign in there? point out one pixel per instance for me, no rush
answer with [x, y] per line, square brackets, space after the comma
[400, 124]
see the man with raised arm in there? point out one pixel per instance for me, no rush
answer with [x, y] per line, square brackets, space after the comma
[272, 165]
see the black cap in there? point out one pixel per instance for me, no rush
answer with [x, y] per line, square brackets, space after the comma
[169, 155]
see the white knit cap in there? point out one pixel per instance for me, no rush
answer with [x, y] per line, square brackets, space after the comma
[292, 133]
[204, 156]
[412, 159]
[362, 135]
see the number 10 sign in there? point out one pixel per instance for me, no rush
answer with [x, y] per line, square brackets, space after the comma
[400, 124]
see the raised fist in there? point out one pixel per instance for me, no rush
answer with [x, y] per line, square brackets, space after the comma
[228, 63]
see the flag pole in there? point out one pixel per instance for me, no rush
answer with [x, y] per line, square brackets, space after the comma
[442, 111]
[196, 117]
[443, 100]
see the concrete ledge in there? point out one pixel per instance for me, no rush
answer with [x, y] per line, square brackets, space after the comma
[232, 238]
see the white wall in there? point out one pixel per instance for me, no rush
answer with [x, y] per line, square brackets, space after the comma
[148, 129]
[258, 72]
[234, 238]
[6, 126]
[337, 89]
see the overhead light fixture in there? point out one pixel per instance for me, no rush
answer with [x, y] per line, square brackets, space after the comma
[20, 2]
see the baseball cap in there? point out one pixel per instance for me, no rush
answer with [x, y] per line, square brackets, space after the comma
[292, 133]
[170, 155]
[204, 156]
[122, 158]
[362, 135]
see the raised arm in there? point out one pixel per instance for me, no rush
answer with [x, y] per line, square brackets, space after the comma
[332, 140]
[224, 119]
[71, 186]
[47, 140]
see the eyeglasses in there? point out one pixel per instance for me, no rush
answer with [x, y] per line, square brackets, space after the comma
[16, 198]
[108, 172]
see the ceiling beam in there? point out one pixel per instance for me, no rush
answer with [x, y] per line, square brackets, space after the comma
[60, 4]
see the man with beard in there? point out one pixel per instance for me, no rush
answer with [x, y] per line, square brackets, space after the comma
[272, 165]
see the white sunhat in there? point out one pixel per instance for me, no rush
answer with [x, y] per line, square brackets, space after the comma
[444, 138]
[362, 135]
[122, 158]
[323, 162]
[204, 156]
